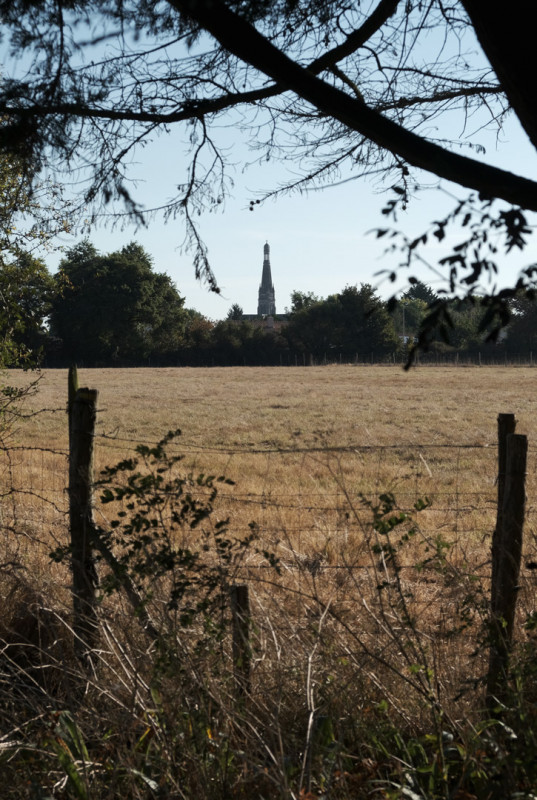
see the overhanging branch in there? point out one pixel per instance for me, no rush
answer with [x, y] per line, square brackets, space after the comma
[246, 43]
[200, 108]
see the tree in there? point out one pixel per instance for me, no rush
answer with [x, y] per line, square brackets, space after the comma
[408, 316]
[115, 309]
[465, 331]
[420, 291]
[235, 312]
[26, 289]
[239, 342]
[355, 321]
[521, 334]
[302, 300]
[351, 90]
[29, 218]
[411, 309]
[32, 213]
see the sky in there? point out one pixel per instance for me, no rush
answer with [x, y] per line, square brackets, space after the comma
[320, 241]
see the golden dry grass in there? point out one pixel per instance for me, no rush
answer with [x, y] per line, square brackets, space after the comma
[296, 441]
[266, 407]
[303, 445]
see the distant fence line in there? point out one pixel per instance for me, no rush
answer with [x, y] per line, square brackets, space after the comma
[495, 357]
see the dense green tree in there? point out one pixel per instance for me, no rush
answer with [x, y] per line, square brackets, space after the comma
[26, 290]
[465, 331]
[521, 335]
[464, 326]
[232, 343]
[196, 347]
[302, 300]
[353, 322]
[420, 291]
[227, 342]
[30, 216]
[461, 329]
[114, 309]
[408, 315]
[235, 312]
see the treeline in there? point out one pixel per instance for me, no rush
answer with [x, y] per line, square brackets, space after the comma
[116, 310]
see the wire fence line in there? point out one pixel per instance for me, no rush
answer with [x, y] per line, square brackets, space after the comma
[119, 442]
[311, 504]
[334, 589]
[321, 512]
[43, 471]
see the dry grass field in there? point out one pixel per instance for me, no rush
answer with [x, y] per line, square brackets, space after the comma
[338, 629]
[271, 407]
[302, 443]
[302, 446]
[296, 441]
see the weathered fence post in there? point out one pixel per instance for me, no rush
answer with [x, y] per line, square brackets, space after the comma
[506, 567]
[82, 415]
[506, 426]
[240, 616]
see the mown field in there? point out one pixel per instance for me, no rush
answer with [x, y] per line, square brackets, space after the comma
[370, 628]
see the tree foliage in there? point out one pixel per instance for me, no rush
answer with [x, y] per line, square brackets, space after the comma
[240, 343]
[355, 321]
[32, 213]
[408, 316]
[420, 291]
[114, 309]
[521, 334]
[302, 300]
[29, 217]
[235, 312]
[26, 291]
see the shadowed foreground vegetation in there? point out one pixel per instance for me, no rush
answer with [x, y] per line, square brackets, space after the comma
[368, 590]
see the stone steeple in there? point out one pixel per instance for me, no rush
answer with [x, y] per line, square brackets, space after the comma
[266, 305]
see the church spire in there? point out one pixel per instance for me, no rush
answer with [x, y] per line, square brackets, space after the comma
[266, 305]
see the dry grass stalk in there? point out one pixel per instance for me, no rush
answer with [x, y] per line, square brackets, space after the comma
[304, 446]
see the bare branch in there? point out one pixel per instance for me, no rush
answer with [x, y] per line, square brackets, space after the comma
[244, 41]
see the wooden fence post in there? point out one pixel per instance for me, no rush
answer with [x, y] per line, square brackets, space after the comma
[240, 616]
[506, 568]
[506, 426]
[82, 415]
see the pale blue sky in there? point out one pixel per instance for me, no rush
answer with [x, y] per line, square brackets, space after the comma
[318, 241]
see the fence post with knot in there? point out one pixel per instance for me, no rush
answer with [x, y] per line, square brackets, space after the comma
[82, 415]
